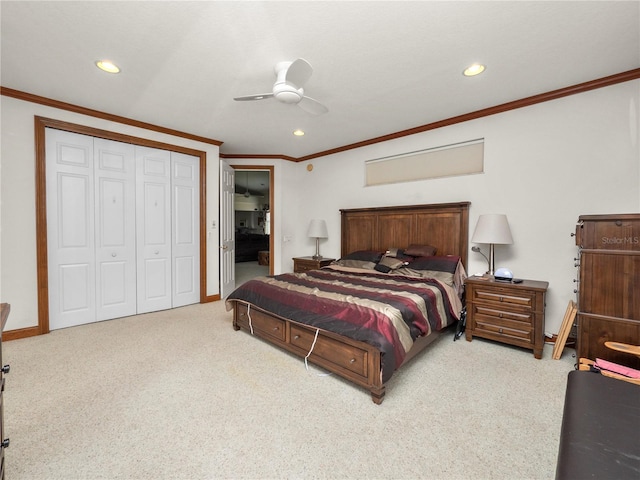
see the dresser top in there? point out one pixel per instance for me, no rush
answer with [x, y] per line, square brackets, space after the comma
[525, 284]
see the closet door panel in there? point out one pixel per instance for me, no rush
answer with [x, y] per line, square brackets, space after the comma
[185, 229]
[115, 229]
[153, 225]
[70, 231]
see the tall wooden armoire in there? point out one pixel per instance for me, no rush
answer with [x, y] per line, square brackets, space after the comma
[609, 285]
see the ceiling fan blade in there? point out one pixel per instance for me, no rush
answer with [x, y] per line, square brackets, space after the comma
[259, 96]
[312, 106]
[299, 72]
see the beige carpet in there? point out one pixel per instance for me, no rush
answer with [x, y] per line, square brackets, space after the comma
[181, 395]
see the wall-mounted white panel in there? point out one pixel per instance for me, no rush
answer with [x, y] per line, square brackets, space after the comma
[446, 161]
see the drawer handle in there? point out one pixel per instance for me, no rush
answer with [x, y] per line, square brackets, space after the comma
[6, 369]
[500, 315]
[5, 443]
[501, 299]
[353, 360]
[500, 330]
[243, 315]
[296, 337]
[275, 329]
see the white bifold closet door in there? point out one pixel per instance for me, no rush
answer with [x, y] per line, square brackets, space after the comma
[167, 229]
[121, 237]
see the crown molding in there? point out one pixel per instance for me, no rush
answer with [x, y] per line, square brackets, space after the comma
[29, 97]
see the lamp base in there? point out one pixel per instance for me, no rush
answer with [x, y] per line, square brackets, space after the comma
[317, 256]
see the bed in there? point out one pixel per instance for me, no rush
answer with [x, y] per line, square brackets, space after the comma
[366, 315]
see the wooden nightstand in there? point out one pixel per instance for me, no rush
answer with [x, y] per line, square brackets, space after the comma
[506, 312]
[304, 264]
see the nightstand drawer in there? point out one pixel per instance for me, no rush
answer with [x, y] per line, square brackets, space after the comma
[516, 316]
[503, 297]
[304, 267]
[512, 330]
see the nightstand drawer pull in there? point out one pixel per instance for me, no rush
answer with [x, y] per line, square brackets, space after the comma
[353, 360]
[296, 337]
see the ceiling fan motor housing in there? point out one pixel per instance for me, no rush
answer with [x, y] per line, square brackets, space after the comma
[287, 93]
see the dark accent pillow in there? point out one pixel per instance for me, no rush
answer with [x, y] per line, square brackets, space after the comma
[420, 250]
[386, 264]
[398, 253]
[447, 263]
[364, 255]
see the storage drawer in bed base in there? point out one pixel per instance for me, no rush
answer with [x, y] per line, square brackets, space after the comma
[353, 360]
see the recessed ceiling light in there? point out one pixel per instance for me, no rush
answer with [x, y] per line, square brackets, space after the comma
[298, 133]
[474, 69]
[107, 66]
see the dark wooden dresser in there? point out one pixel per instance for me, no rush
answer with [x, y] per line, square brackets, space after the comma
[4, 314]
[506, 312]
[609, 285]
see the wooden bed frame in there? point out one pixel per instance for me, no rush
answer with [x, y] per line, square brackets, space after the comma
[445, 226]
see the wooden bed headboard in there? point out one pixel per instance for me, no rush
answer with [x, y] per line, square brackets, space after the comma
[444, 225]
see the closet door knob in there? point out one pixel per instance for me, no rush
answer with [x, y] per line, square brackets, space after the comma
[113, 254]
[157, 252]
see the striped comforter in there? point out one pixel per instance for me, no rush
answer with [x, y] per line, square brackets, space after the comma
[383, 310]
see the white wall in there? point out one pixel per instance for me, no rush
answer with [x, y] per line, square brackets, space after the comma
[544, 165]
[18, 273]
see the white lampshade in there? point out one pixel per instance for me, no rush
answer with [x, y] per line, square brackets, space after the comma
[492, 228]
[318, 229]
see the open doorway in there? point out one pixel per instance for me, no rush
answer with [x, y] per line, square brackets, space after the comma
[253, 222]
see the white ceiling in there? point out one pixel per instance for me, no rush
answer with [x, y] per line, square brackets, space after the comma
[380, 67]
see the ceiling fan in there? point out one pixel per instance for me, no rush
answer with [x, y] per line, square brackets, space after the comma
[290, 80]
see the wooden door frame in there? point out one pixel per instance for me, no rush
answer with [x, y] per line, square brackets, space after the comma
[41, 123]
[270, 169]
